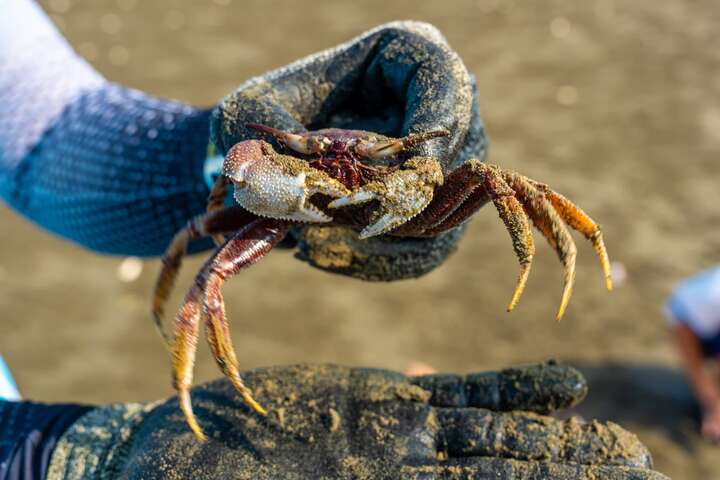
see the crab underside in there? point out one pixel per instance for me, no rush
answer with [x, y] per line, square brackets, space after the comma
[359, 180]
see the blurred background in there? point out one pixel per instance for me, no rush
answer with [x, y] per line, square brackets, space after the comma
[613, 103]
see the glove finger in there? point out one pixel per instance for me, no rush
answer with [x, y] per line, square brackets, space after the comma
[506, 469]
[415, 65]
[528, 436]
[303, 94]
[475, 144]
[541, 388]
[379, 385]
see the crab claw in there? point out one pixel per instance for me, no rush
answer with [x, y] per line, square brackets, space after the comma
[402, 195]
[272, 185]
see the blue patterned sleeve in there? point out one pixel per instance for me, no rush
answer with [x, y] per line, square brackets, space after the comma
[110, 168]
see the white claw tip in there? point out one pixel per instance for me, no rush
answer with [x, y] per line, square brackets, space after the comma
[361, 196]
[338, 202]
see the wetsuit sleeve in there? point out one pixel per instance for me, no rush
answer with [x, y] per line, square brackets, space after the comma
[28, 434]
[107, 167]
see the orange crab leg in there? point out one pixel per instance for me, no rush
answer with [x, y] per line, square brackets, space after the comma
[459, 197]
[551, 225]
[171, 264]
[467, 189]
[580, 221]
[220, 342]
[512, 214]
[184, 348]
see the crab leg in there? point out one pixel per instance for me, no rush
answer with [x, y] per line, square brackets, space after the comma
[393, 146]
[215, 222]
[244, 249]
[549, 211]
[183, 354]
[580, 221]
[472, 203]
[216, 201]
[247, 246]
[551, 225]
[453, 193]
[515, 220]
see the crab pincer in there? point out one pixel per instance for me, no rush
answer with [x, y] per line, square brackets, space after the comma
[402, 195]
[272, 185]
[402, 192]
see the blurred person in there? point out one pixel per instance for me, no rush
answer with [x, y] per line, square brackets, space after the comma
[8, 388]
[693, 310]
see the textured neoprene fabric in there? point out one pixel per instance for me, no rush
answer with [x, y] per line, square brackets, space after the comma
[111, 168]
[28, 435]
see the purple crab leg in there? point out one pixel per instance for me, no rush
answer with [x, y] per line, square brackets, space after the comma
[301, 143]
[216, 222]
[216, 201]
[393, 146]
[448, 198]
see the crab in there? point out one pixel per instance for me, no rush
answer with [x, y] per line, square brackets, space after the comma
[356, 179]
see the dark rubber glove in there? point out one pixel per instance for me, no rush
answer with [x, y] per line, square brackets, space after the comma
[334, 422]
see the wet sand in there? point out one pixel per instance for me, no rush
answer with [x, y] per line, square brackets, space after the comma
[614, 104]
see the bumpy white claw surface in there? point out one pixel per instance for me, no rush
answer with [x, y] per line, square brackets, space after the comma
[280, 186]
[402, 195]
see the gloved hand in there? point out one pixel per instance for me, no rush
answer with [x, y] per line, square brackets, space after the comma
[398, 78]
[119, 171]
[341, 423]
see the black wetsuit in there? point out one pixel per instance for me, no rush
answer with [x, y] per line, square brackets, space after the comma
[28, 434]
